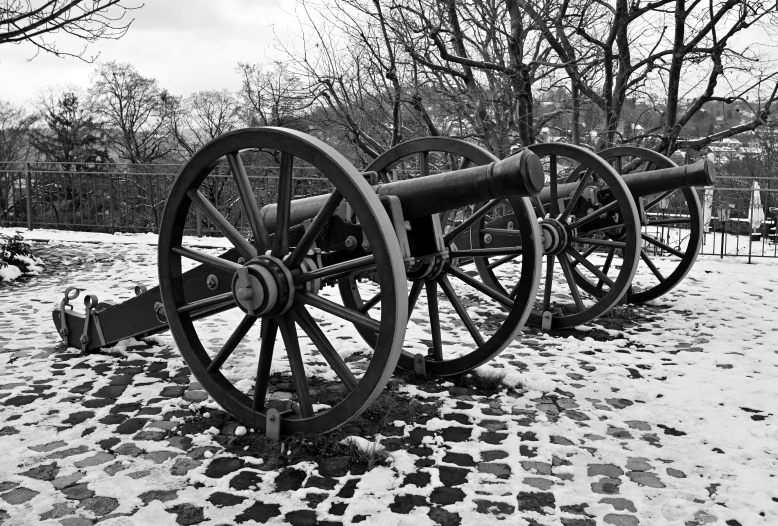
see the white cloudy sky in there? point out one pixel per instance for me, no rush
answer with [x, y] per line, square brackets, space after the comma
[187, 45]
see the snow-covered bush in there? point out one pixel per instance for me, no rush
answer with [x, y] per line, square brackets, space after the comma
[17, 259]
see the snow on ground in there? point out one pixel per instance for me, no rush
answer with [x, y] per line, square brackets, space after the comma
[665, 414]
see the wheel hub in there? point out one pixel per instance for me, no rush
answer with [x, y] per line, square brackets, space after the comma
[554, 236]
[263, 287]
[428, 268]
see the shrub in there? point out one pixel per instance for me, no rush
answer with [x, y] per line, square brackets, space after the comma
[16, 258]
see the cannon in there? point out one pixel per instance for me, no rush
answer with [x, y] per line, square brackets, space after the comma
[593, 223]
[370, 237]
[596, 213]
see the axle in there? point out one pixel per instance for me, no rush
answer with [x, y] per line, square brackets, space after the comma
[520, 175]
[701, 173]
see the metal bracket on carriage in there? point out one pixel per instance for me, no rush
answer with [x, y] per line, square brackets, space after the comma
[420, 364]
[91, 316]
[548, 318]
[71, 293]
[276, 410]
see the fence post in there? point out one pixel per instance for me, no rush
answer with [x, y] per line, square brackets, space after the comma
[110, 201]
[29, 195]
[199, 219]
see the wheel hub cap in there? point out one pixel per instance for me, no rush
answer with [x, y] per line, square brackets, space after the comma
[263, 287]
[554, 236]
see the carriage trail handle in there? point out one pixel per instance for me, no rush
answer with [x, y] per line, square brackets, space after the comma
[701, 173]
[519, 175]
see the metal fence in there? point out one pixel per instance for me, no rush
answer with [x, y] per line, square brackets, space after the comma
[131, 198]
[125, 198]
[743, 220]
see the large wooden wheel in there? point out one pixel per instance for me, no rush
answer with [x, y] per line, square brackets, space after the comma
[452, 311]
[249, 367]
[671, 224]
[583, 208]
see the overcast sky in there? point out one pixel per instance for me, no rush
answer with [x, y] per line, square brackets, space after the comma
[187, 45]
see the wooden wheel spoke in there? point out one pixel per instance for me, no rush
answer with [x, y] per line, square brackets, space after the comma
[317, 225]
[594, 215]
[207, 259]
[467, 223]
[568, 272]
[230, 232]
[650, 264]
[292, 344]
[413, 296]
[598, 242]
[586, 253]
[589, 266]
[548, 285]
[232, 343]
[451, 294]
[338, 310]
[663, 246]
[207, 303]
[480, 287]
[577, 194]
[501, 261]
[486, 252]
[306, 322]
[336, 270]
[369, 304]
[514, 292]
[285, 181]
[607, 265]
[424, 165]
[655, 201]
[434, 316]
[264, 362]
[553, 183]
[261, 236]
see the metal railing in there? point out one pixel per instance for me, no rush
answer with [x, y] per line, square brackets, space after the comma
[126, 198]
[130, 198]
[731, 231]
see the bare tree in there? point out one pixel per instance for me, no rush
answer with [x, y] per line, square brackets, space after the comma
[201, 117]
[133, 109]
[15, 123]
[674, 54]
[272, 96]
[37, 21]
[388, 71]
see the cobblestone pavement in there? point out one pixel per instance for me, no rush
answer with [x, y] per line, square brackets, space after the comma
[658, 415]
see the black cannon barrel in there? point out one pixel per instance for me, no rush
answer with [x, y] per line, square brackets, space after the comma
[701, 173]
[519, 175]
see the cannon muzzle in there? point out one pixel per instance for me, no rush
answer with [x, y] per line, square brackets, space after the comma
[701, 173]
[519, 175]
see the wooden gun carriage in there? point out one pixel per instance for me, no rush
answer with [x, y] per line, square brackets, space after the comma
[472, 237]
